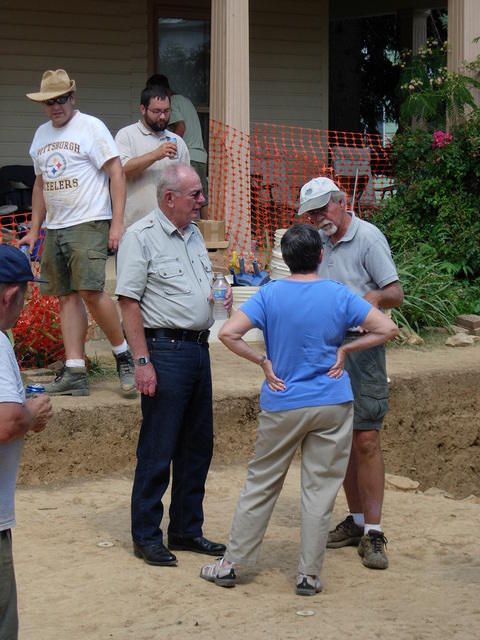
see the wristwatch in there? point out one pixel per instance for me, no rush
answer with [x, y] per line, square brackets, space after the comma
[262, 360]
[142, 361]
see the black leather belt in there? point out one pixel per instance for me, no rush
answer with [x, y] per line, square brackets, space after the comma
[200, 337]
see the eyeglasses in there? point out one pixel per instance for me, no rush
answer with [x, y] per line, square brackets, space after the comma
[322, 211]
[158, 112]
[196, 195]
[59, 100]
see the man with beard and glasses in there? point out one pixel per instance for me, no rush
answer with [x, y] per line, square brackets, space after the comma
[145, 148]
[184, 121]
[357, 254]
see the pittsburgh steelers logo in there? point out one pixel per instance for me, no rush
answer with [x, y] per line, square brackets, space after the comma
[56, 165]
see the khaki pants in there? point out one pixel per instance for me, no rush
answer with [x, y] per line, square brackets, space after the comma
[325, 435]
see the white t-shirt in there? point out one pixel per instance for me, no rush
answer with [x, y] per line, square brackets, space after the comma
[136, 140]
[11, 390]
[70, 161]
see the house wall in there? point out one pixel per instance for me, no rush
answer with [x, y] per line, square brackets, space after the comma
[103, 46]
[289, 62]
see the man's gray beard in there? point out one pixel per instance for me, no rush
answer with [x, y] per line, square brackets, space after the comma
[329, 229]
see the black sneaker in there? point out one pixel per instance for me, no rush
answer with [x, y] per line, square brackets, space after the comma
[126, 373]
[345, 534]
[372, 550]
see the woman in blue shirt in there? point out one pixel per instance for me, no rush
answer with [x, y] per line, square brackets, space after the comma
[306, 399]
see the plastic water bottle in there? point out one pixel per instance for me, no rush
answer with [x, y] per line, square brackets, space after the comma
[219, 293]
[25, 249]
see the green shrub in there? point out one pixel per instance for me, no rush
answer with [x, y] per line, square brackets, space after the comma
[433, 220]
[437, 197]
[432, 294]
[430, 92]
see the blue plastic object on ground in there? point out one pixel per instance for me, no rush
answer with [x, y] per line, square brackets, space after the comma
[255, 279]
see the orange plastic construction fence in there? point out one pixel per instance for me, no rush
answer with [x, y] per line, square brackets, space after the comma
[37, 334]
[268, 168]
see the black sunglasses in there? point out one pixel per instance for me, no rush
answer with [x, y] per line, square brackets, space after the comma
[59, 100]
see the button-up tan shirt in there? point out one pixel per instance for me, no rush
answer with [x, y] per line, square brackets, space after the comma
[170, 274]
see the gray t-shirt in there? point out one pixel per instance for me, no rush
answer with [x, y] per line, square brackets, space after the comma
[183, 110]
[361, 259]
[11, 390]
[168, 273]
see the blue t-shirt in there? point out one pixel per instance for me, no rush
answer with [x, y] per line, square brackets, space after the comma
[303, 324]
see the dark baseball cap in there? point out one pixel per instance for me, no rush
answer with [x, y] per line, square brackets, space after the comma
[15, 266]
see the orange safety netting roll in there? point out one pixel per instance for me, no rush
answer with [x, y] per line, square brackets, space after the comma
[255, 181]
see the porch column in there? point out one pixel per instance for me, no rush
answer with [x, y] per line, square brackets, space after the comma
[463, 27]
[413, 28]
[419, 29]
[230, 105]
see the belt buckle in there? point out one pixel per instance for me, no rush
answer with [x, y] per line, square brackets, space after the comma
[203, 336]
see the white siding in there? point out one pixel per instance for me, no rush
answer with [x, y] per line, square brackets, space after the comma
[101, 44]
[289, 62]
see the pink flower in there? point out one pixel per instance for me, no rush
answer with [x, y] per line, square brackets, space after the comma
[441, 139]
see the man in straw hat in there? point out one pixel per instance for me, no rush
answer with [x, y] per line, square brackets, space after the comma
[17, 417]
[357, 254]
[78, 171]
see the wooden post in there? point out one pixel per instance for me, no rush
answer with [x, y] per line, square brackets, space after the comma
[230, 105]
[463, 28]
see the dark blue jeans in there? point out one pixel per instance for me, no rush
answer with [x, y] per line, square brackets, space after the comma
[177, 429]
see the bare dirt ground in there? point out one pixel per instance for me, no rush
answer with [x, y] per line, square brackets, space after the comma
[74, 496]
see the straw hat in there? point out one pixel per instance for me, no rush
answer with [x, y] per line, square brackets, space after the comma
[54, 84]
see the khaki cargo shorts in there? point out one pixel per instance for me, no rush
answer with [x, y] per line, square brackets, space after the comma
[74, 258]
[368, 376]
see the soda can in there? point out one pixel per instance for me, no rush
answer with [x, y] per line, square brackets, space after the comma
[31, 390]
[171, 139]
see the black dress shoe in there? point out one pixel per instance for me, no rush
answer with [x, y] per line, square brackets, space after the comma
[156, 554]
[197, 545]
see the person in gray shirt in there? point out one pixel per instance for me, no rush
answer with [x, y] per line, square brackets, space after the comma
[357, 254]
[17, 417]
[164, 284]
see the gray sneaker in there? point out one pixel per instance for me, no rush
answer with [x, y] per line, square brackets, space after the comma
[308, 585]
[372, 550]
[71, 381]
[345, 534]
[126, 373]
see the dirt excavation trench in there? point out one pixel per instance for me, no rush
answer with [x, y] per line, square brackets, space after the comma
[431, 434]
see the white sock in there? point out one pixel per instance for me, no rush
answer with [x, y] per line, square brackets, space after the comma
[75, 363]
[121, 348]
[369, 527]
[358, 519]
